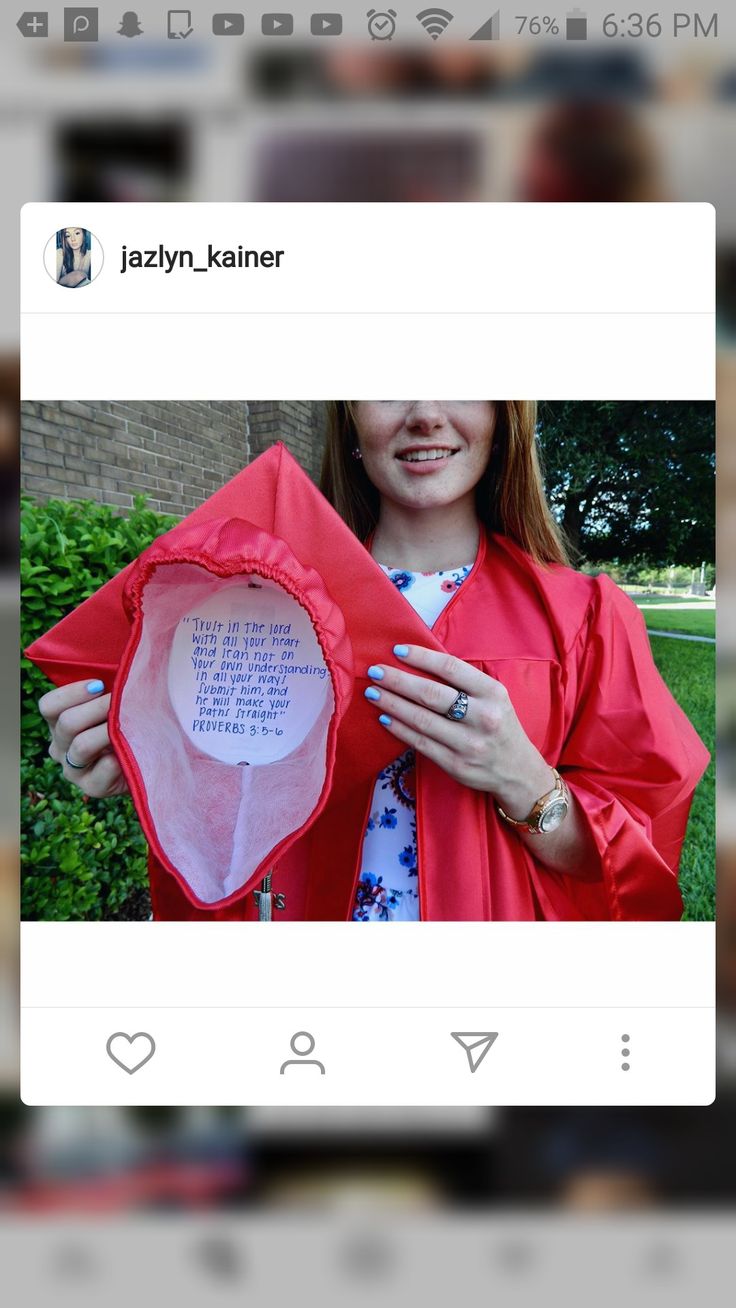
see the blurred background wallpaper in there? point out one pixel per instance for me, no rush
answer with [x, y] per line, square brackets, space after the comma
[203, 1204]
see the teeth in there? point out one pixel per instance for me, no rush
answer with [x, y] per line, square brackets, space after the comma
[421, 456]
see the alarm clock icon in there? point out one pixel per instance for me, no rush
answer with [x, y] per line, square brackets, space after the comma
[381, 24]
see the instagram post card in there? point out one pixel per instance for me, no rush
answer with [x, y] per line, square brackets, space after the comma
[368, 744]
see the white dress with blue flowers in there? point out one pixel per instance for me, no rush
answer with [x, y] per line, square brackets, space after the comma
[388, 885]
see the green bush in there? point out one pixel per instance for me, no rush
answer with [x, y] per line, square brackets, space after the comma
[82, 858]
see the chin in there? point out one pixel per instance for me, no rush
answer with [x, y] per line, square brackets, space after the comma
[433, 500]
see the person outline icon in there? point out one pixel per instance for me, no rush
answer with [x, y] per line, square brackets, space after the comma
[302, 1055]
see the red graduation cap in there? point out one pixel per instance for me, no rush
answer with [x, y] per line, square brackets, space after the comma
[220, 793]
[267, 550]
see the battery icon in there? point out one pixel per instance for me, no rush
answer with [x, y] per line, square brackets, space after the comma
[576, 27]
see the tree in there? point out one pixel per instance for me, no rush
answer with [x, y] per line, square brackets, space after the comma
[631, 479]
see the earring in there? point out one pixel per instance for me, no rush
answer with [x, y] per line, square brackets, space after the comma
[356, 453]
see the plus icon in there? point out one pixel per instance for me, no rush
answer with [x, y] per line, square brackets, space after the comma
[33, 24]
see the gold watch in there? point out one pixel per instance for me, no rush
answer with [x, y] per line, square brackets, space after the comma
[548, 813]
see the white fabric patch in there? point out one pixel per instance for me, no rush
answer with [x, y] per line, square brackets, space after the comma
[246, 674]
[215, 820]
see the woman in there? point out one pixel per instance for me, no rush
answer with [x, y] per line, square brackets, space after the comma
[424, 482]
[73, 257]
[552, 767]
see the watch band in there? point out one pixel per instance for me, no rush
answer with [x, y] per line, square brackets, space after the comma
[532, 821]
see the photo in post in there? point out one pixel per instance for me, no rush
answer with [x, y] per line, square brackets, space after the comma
[290, 701]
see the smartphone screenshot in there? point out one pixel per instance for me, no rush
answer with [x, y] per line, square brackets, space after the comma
[419, 985]
[375, 706]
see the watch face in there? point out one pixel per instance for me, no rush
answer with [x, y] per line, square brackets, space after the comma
[552, 816]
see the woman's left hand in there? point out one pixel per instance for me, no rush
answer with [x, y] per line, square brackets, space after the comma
[488, 750]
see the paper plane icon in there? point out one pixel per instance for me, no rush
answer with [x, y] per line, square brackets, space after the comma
[476, 1045]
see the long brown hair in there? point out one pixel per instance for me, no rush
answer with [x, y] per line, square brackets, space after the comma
[67, 257]
[510, 495]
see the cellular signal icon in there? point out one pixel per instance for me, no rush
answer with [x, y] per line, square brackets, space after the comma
[435, 21]
[491, 30]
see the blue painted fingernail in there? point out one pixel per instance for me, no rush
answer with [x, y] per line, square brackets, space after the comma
[376, 673]
[401, 651]
[384, 720]
[372, 693]
[94, 687]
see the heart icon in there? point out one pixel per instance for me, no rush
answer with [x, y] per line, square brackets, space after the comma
[131, 1051]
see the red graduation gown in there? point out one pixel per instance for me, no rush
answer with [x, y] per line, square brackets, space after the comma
[574, 655]
[571, 650]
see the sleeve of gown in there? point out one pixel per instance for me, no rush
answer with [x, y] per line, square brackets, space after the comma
[632, 760]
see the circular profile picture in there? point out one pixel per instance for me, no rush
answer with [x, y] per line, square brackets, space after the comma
[73, 257]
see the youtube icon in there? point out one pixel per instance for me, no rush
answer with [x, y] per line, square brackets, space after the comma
[277, 24]
[326, 25]
[228, 24]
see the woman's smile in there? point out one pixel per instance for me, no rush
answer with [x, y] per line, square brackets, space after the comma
[421, 460]
[445, 444]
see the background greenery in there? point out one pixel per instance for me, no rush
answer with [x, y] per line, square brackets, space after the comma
[632, 482]
[689, 671]
[690, 622]
[82, 859]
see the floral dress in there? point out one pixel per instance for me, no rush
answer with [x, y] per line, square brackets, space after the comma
[388, 886]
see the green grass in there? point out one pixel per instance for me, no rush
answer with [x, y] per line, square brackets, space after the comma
[689, 671]
[701, 623]
[642, 597]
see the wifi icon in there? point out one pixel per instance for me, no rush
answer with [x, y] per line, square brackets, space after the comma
[435, 21]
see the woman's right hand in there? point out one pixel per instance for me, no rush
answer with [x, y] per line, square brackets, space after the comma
[77, 718]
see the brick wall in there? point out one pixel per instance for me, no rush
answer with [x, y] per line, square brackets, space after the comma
[300, 424]
[175, 453]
